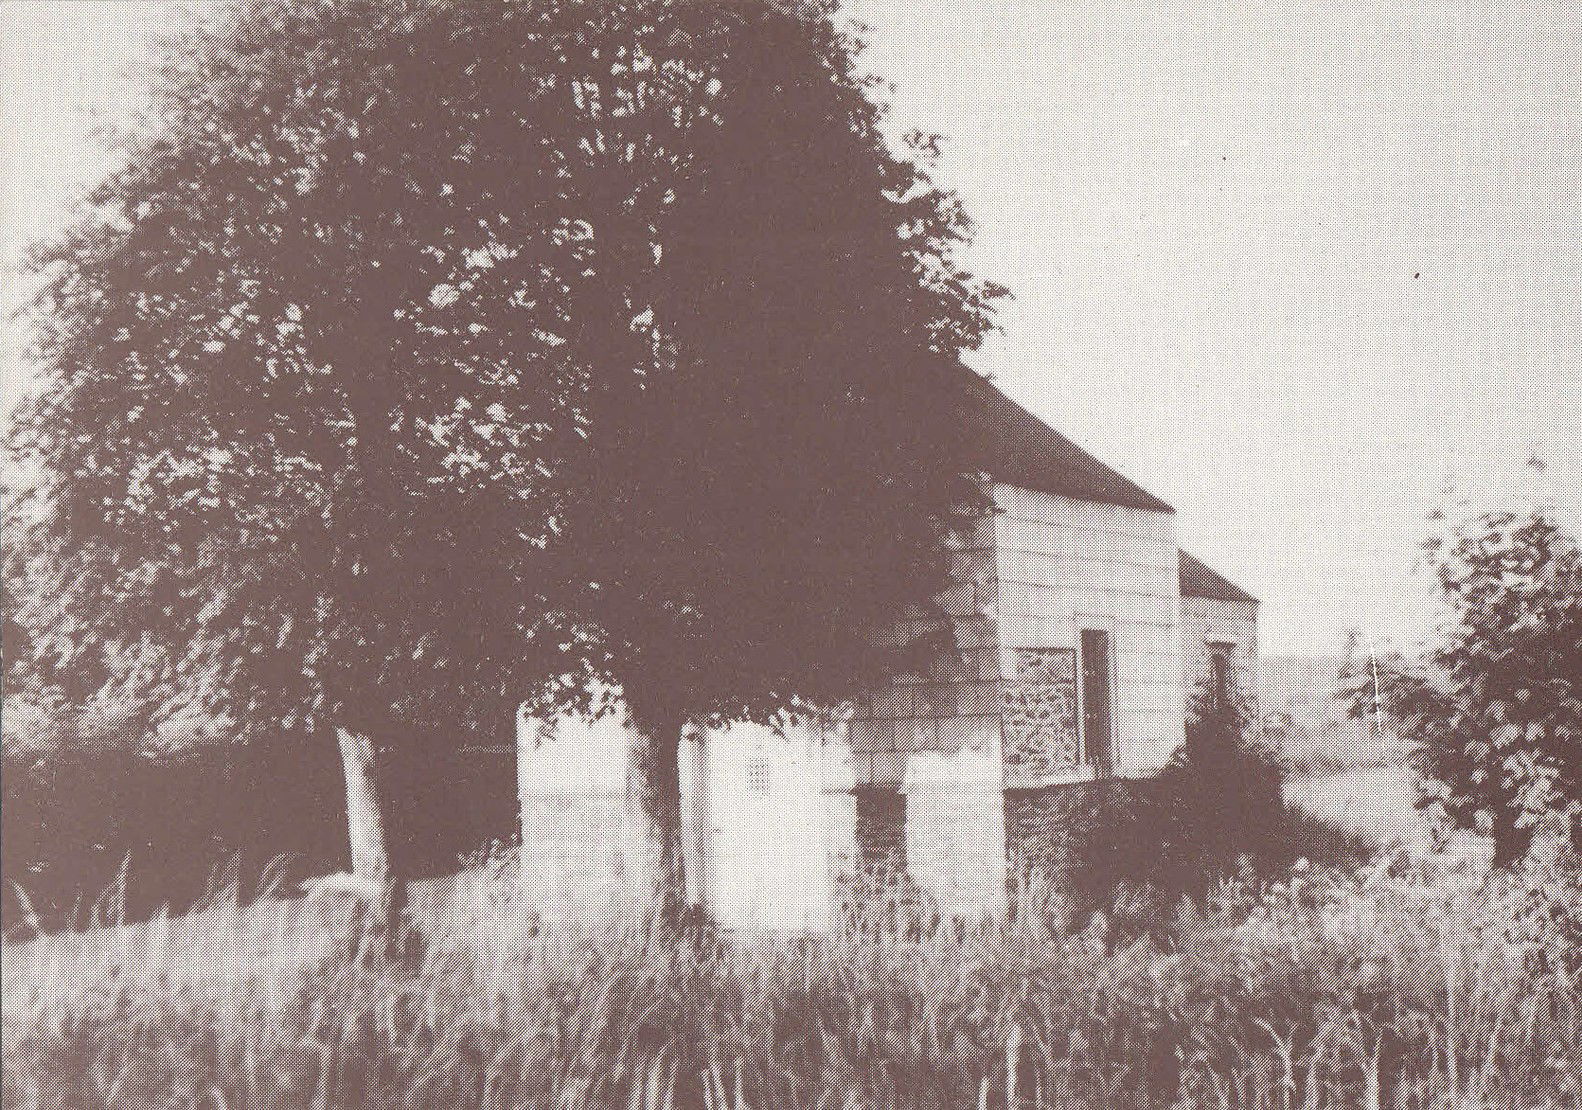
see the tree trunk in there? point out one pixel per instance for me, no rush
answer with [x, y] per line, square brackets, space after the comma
[697, 823]
[654, 787]
[380, 854]
[1512, 842]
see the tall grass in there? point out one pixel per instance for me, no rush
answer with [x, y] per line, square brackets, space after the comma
[1404, 985]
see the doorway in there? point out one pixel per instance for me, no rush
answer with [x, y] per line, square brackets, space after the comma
[1098, 700]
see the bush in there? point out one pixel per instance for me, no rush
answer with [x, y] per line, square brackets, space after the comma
[179, 823]
[1495, 711]
[1133, 850]
[1094, 844]
[1222, 795]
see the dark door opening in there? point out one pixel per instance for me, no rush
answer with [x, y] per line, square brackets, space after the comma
[1222, 677]
[1098, 718]
[881, 831]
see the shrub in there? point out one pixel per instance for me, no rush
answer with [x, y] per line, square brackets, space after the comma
[1495, 711]
[1133, 850]
[1222, 795]
[182, 822]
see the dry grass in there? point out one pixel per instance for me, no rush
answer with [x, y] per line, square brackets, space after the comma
[1380, 805]
[1407, 985]
[1379, 802]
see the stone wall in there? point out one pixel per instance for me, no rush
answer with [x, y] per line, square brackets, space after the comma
[1041, 734]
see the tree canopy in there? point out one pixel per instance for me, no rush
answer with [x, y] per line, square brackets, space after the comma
[429, 357]
[441, 324]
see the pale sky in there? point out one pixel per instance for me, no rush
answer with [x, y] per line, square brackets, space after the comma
[1292, 267]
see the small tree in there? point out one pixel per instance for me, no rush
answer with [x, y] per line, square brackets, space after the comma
[1495, 709]
[430, 357]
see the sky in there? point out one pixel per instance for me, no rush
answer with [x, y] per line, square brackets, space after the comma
[1295, 268]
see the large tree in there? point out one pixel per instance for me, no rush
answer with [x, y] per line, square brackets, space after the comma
[430, 357]
[781, 484]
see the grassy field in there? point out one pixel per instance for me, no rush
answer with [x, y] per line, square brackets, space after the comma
[1379, 803]
[1339, 748]
[1410, 984]
[1419, 981]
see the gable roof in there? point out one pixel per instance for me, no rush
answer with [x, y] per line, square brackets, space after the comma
[1021, 450]
[1199, 580]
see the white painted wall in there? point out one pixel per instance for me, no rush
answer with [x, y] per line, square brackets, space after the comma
[1207, 620]
[955, 831]
[583, 848]
[780, 823]
[1064, 565]
[770, 837]
[774, 835]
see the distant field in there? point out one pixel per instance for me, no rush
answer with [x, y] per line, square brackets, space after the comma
[1377, 802]
[1344, 746]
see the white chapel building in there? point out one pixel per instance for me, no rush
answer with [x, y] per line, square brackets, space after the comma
[1080, 628]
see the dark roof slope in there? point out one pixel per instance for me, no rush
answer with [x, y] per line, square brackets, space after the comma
[1021, 450]
[1198, 580]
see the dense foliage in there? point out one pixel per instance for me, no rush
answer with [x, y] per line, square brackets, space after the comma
[166, 829]
[1221, 791]
[1134, 850]
[1495, 710]
[427, 358]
